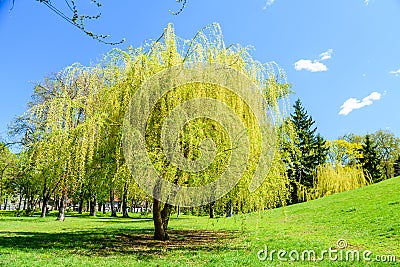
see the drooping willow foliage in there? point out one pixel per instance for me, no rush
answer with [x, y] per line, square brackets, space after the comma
[78, 117]
[330, 180]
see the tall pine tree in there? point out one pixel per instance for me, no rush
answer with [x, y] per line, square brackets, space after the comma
[370, 160]
[304, 150]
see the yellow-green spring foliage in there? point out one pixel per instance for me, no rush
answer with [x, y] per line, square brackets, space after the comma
[335, 179]
[331, 179]
[79, 116]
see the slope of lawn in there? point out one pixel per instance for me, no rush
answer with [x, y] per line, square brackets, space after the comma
[364, 219]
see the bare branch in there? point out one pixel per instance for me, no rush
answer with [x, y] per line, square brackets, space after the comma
[79, 20]
[181, 9]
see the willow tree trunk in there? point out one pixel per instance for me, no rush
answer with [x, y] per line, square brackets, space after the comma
[159, 230]
[61, 209]
[161, 216]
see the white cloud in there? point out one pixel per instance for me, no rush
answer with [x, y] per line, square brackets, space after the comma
[314, 65]
[395, 72]
[268, 3]
[326, 55]
[352, 103]
[368, 2]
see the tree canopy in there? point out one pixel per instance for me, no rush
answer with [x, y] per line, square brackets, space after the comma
[76, 120]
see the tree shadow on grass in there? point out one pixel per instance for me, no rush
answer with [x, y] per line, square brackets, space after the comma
[120, 219]
[105, 242]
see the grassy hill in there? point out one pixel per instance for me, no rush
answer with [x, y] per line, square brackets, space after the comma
[366, 219]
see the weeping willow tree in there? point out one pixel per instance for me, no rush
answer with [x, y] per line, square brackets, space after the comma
[335, 179]
[75, 138]
[61, 111]
[187, 140]
[81, 144]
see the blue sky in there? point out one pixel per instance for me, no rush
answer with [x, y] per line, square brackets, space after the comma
[342, 57]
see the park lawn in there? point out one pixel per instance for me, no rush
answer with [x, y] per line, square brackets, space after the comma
[367, 219]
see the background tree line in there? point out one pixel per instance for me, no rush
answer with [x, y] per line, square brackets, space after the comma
[311, 163]
[318, 167]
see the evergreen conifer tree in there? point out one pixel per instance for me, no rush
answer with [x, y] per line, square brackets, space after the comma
[305, 151]
[370, 160]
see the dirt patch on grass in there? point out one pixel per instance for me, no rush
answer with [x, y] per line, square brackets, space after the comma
[144, 243]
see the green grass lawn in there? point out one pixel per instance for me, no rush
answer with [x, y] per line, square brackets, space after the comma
[367, 219]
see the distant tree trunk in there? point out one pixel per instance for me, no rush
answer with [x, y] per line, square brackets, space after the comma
[45, 198]
[229, 209]
[61, 210]
[293, 193]
[125, 202]
[44, 206]
[31, 202]
[104, 208]
[386, 169]
[80, 207]
[20, 199]
[212, 206]
[113, 210]
[93, 206]
[57, 203]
